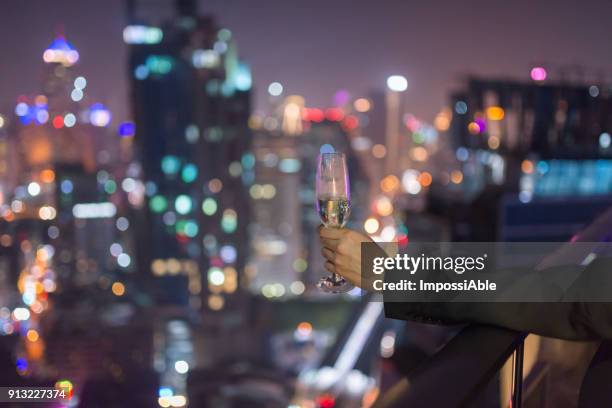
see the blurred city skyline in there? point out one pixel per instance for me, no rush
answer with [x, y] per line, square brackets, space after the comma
[352, 46]
[159, 237]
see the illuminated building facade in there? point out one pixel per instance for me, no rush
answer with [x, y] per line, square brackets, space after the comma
[544, 147]
[285, 260]
[276, 260]
[191, 101]
[65, 205]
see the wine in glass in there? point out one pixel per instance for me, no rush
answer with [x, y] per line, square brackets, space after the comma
[333, 206]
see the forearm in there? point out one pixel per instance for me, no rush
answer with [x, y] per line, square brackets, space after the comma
[567, 320]
[573, 303]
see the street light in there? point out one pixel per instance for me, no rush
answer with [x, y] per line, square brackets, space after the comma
[397, 83]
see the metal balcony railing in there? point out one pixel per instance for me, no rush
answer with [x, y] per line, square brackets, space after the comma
[456, 375]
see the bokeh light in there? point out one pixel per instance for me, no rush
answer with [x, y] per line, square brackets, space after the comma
[275, 89]
[118, 289]
[397, 83]
[538, 74]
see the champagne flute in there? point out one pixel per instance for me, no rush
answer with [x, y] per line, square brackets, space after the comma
[333, 206]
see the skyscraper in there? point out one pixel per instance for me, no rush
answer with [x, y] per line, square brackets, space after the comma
[276, 260]
[64, 226]
[60, 140]
[191, 103]
[532, 153]
[287, 261]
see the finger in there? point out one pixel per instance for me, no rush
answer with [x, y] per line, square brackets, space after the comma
[328, 254]
[331, 244]
[330, 267]
[332, 233]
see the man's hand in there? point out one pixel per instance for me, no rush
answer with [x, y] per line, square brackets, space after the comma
[342, 251]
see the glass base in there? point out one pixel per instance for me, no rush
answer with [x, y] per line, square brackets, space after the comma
[334, 284]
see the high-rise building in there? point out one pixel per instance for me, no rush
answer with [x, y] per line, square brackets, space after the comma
[288, 261]
[64, 224]
[277, 255]
[191, 104]
[62, 139]
[537, 148]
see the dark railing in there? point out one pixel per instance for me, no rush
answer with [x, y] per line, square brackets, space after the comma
[595, 389]
[456, 375]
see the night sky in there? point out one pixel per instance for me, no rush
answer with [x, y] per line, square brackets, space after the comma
[316, 47]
